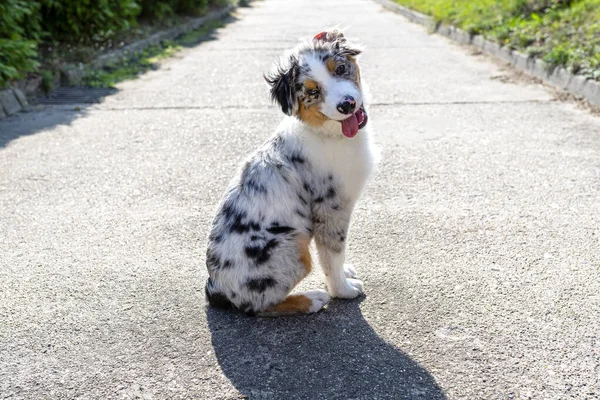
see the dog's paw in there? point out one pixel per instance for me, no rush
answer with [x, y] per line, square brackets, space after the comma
[351, 289]
[318, 297]
[349, 271]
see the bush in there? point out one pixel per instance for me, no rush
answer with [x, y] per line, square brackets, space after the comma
[163, 10]
[564, 33]
[87, 21]
[25, 24]
[20, 32]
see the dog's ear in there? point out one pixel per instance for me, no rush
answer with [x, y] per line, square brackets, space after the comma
[282, 80]
[329, 36]
[340, 43]
[349, 49]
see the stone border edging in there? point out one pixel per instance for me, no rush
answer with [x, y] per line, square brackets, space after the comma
[577, 85]
[72, 75]
[168, 34]
[12, 100]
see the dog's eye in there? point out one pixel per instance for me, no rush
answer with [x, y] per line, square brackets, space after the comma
[313, 92]
[340, 69]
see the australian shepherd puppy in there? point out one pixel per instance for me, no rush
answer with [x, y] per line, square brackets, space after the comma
[302, 184]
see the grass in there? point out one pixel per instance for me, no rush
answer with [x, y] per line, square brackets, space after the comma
[148, 59]
[562, 32]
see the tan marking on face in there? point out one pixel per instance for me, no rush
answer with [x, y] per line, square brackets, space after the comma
[311, 115]
[356, 68]
[310, 84]
[331, 65]
[295, 303]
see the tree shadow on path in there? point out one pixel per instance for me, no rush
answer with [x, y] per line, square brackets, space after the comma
[334, 354]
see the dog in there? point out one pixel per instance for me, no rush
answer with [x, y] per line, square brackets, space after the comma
[302, 184]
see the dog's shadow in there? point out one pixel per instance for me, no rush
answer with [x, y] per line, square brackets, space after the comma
[333, 354]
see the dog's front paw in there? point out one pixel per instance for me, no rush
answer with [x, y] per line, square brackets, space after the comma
[349, 271]
[349, 290]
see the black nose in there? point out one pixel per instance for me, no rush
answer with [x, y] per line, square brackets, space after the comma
[347, 106]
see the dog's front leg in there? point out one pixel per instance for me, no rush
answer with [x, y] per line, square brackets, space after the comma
[331, 245]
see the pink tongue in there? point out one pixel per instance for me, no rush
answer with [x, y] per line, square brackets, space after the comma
[350, 126]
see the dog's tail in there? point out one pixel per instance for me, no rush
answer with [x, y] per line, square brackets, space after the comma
[215, 297]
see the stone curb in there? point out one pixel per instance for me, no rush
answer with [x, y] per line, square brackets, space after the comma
[411, 15]
[72, 75]
[577, 85]
[13, 100]
[169, 34]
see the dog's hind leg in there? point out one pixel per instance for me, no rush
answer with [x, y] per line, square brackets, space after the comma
[307, 302]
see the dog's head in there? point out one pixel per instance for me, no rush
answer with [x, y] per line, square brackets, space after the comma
[319, 83]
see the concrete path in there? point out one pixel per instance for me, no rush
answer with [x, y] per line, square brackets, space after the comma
[478, 240]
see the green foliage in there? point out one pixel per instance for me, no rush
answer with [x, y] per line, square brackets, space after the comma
[147, 59]
[20, 32]
[46, 80]
[86, 21]
[562, 32]
[194, 37]
[131, 68]
[164, 10]
[80, 26]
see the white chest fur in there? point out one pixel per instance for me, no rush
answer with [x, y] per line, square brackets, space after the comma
[349, 160]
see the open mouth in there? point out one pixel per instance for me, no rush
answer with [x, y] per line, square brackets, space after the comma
[355, 122]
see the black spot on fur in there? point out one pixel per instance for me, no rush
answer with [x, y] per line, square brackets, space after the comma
[216, 299]
[331, 193]
[213, 262]
[307, 188]
[319, 199]
[305, 69]
[227, 210]
[247, 309]
[297, 159]
[239, 226]
[276, 229]
[249, 183]
[301, 214]
[215, 237]
[277, 141]
[261, 254]
[302, 199]
[335, 207]
[255, 237]
[227, 264]
[252, 185]
[261, 284]
[342, 238]
[330, 177]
